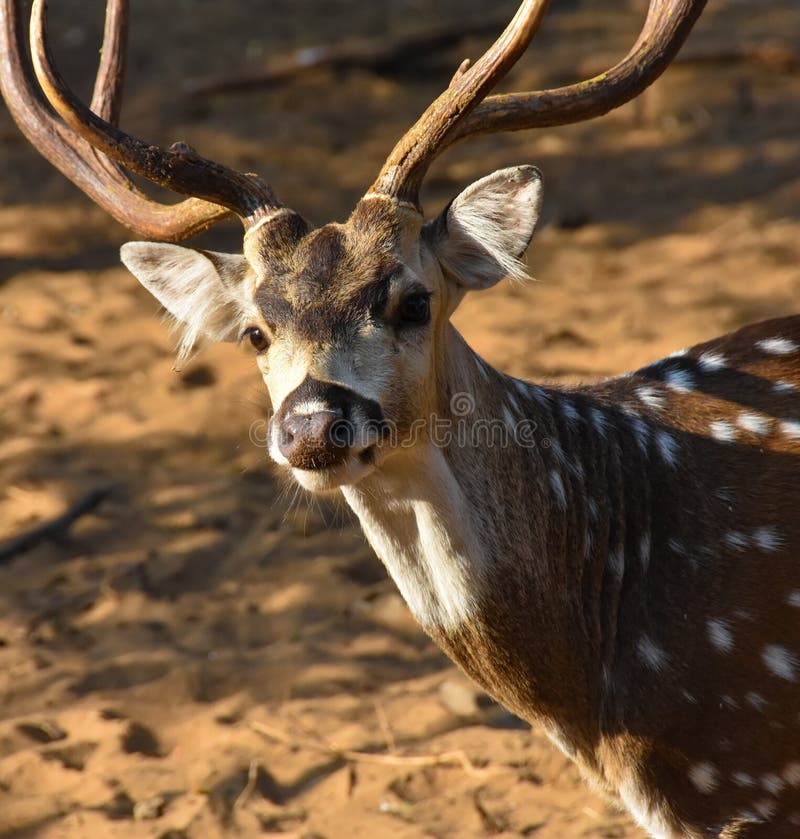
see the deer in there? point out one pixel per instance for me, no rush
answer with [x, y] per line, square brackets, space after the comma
[626, 574]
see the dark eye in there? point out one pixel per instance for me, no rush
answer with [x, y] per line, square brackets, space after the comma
[415, 309]
[257, 338]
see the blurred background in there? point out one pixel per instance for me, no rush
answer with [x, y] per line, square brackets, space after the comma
[191, 657]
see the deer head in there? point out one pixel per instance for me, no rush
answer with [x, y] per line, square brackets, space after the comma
[350, 322]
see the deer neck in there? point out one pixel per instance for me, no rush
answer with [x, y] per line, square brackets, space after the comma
[476, 524]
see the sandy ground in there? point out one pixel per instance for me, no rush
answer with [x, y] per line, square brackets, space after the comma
[186, 663]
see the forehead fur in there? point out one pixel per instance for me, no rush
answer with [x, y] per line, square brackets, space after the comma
[338, 269]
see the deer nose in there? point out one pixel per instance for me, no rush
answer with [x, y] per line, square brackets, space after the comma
[315, 440]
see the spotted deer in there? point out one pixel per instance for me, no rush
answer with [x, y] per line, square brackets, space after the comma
[626, 573]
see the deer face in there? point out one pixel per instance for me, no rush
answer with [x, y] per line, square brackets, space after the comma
[349, 322]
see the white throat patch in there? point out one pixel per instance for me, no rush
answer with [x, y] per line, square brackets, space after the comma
[419, 525]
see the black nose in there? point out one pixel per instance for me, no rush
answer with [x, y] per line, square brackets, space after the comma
[314, 441]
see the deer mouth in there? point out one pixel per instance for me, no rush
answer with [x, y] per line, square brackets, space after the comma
[355, 467]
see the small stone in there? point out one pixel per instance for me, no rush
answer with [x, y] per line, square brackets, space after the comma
[43, 731]
[459, 697]
[149, 808]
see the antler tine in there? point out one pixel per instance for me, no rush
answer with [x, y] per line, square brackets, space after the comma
[666, 28]
[110, 79]
[402, 174]
[179, 168]
[77, 160]
[459, 112]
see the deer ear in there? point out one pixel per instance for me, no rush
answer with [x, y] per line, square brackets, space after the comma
[481, 237]
[205, 292]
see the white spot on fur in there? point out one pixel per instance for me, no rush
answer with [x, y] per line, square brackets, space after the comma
[720, 635]
[765, 807]
[772, 783]
[791, 774]
[651, 397]
[767, 539]
[723, 431]
[570, 411]
[679, 380]
[523, 388]
[793, 599]
[743, 779]
[509, 419]
[736, 539]
[777, 346]
[668, 448]
[557, 484]
[678, 353]
[642, 433]
[711, 361]
[557, 451]
[755, 700]
[749, 817]
[780, 661]
[651, 654]
[598, 420]
[513, 404]
[783, 387]
[753, 423]
[705, 777]
[790, 429]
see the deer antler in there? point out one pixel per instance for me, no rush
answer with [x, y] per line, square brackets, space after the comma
[462, 111]
[87, 147]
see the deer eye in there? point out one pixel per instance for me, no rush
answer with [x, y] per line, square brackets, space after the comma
[415, 309]
[257, 338]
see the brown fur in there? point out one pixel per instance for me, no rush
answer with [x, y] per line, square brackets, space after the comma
[558, 634]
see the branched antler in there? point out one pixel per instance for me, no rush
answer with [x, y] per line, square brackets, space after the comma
[86, 145]
[462, 110]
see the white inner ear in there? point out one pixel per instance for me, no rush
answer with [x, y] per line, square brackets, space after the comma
[487, 229]
[208, 294]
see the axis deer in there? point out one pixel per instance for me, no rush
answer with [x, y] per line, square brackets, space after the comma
[628, 578]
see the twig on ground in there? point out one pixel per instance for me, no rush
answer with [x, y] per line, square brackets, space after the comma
[247, 790]
[456, 757]
[383, 722]
[55, 528]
